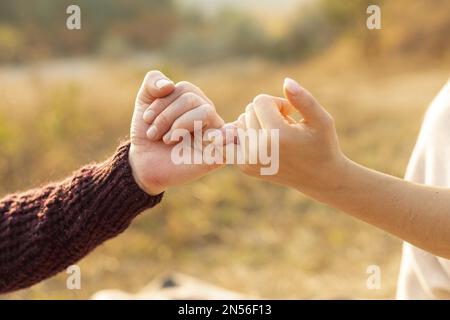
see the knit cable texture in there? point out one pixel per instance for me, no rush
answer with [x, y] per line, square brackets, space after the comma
[45, 230]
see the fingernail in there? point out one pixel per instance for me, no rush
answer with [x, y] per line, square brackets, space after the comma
[161, 83]
[152, 131]
[292, 86]
[149, 114]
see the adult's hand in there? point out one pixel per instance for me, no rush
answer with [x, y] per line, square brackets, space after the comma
[309, 154]
[160, 107]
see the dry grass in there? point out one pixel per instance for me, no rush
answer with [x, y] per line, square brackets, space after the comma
[228, 229]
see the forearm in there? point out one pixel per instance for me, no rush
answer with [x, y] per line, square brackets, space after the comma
[416, 213]
[312, 162]
[45, 230]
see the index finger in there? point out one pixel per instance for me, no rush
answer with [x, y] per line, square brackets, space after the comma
[271, 111]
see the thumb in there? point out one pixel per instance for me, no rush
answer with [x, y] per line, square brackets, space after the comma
[304, 102]
[155, 85]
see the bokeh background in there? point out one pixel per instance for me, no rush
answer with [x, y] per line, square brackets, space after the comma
[66, 97]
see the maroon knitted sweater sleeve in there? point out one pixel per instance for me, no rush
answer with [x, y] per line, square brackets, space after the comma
[45, 230]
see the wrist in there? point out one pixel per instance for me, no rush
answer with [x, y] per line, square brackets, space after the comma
[329, 178]
[152, 189]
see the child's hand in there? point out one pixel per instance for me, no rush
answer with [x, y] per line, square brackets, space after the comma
[309, 152]
[186, 104]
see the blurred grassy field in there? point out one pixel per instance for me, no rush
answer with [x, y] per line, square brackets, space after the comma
[231, 230]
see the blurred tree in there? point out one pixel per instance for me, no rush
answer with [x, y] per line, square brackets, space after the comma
[228, 34]
[145, 24]
[241, 34]
[36, 29]
[11, 43]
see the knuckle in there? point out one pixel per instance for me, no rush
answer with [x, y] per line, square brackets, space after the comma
[201, 116]
[209, 113]
[189, 98]
[162, 121]
[160, 105]
[241, 120]
[185, 86]
[209, 110]
[261, 98]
